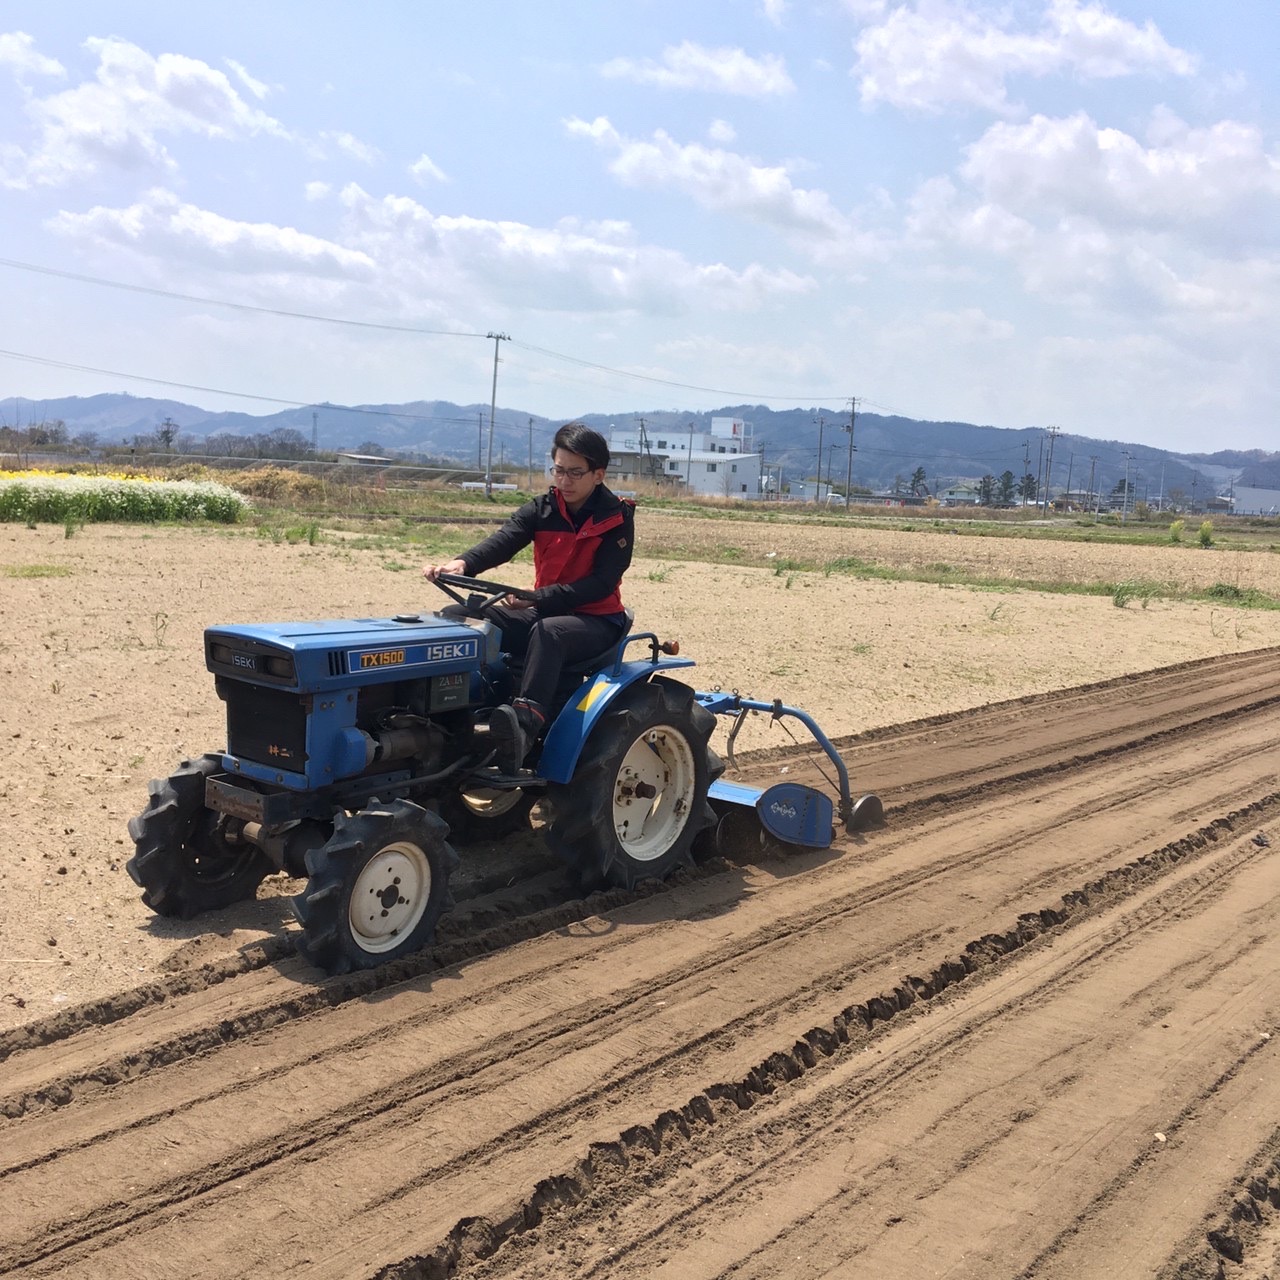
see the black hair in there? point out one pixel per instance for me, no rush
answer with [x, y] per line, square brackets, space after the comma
[577, 437]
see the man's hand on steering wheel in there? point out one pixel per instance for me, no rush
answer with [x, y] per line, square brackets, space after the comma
[481, 593]
[456, 567]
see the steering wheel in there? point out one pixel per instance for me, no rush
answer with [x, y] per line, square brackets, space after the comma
[481, 593]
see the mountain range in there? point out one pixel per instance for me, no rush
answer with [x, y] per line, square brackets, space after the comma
[887, 449]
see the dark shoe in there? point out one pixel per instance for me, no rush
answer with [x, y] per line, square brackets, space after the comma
[506, 737]
[532, 720]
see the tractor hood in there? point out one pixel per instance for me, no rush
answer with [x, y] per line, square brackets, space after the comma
[311, 657]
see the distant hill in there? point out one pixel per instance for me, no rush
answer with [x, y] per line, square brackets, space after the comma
[887, 449]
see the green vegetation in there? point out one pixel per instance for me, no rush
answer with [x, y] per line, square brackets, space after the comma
[37, 571]
[1126, 592]
[405, 524]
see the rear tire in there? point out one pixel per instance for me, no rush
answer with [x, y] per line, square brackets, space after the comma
[485, 813]
[183, 862]
[377, 888]
[638, 797]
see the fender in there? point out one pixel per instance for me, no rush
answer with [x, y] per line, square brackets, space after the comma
[565, 739]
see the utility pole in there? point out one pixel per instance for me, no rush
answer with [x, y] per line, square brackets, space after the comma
[817, 492]
[315, 433]
[1048, 471]
[493, 408]
[848, 475]
[1088, 497]
[1124, 502]
[688, 465]
[530, 455]
[1026, 470]
[1071, 462]
[645, 449]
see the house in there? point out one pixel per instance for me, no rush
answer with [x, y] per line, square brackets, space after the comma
[715, 463]
[960, 494]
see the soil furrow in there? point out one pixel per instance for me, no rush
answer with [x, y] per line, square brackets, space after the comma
[501, 1139]
[742, 1029]
[820, 1134]
[270, 1004]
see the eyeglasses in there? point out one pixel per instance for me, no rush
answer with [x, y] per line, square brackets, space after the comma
[568, 473]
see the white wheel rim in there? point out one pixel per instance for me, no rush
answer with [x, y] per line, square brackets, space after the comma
[490, 802]
[653, 793]
[389, 897]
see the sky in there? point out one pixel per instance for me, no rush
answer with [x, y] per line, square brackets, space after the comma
[1033, 213]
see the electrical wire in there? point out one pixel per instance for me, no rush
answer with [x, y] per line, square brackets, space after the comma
[236, 306]
[102, 282]
[223, 391]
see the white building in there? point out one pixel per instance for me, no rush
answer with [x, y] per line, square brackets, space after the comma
[1254, 502]
[715, 463]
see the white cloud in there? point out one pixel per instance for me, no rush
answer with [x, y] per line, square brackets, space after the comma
[775, 11]
[717, 179]
[968, 326]
[692, 66]
[570, 267]
[1056, 167]
[1098, 44]
[317, 190]
[163, 226]
[18, 51]
[721, 131]
[350, 145]
[937, 53]
[1180, 234]
[425, 170]
[255, 87]
[117, 119]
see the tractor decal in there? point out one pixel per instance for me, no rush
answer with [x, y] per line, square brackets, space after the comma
[594, 692]
[414, 655]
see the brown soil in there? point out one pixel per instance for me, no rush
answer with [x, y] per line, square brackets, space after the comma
[1029, 1028]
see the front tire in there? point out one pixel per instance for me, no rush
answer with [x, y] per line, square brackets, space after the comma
[638, 798]
[377, 888]
[184, 861]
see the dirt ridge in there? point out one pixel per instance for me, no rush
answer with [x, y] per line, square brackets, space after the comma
[473, 1240]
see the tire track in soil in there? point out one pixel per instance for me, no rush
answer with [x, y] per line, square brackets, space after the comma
[265, 1003]
[444, 1093]
[908, 765]
[865, 1137]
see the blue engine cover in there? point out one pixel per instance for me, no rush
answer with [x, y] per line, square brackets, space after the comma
[291, 688]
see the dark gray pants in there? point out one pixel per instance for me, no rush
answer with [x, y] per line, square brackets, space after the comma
[547, 645]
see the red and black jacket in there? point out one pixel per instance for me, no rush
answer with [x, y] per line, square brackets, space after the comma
[578, 558]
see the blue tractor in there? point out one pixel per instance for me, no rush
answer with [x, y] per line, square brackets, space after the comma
[358, 756]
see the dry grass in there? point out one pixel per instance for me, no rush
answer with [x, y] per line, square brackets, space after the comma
[1183, 566]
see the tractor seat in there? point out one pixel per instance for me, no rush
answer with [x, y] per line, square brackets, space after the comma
[588, 666]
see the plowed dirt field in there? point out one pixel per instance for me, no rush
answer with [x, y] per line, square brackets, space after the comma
[1031, 1027]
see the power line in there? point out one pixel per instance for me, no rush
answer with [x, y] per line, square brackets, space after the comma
[669, 382]
[103, 282]
[222, 391]
[235, 306]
